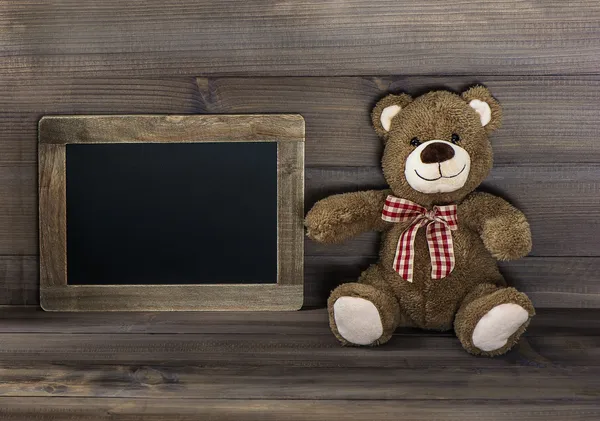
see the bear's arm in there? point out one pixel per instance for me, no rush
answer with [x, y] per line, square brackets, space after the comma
[503, 228]
[342, 216]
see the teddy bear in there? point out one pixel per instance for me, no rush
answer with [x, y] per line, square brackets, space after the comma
[441, 239]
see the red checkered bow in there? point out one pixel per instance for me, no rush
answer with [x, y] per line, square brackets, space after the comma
[440, 222]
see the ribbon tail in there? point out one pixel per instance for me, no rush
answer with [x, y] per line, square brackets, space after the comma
[441, 250]
[405, 252]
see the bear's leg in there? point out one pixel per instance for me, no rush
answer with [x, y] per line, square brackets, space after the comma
[364, 312]
[491, 319]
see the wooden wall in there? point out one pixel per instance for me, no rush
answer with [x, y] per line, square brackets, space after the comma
[329, 61]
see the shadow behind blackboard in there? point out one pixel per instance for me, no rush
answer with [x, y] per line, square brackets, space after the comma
[171, 213]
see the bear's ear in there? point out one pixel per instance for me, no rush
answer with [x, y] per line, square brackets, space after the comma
[484, 104]
[385, 110]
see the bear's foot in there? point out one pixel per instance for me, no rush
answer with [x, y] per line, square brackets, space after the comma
[357, 320]
[493, 322]
[497, 325]
[360, 314]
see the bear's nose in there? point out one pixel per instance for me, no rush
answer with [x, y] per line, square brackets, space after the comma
[437, 152]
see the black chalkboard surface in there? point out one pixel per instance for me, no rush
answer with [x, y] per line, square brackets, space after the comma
[171, 213]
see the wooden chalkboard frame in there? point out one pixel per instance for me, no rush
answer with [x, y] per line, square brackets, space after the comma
[55, 132]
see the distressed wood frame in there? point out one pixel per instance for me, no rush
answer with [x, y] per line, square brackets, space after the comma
[55, 132]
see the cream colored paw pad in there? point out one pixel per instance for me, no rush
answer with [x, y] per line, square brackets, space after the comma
[497, 325]
[357, 320]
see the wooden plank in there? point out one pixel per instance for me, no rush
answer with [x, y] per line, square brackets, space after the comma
[290, 215]
[209, 297]
[557, 282]
[19, 283]
[18, 208]
[536, 125]
[300, 38]
[112, 95]
[543, 192]
[563, 322]
[257, 382]
[549, 321]
[314, 322]
[561, 282]
[53, 215]
[300, 367]
[546, 119]
[428, 349]
[171, 128]
[115, 409]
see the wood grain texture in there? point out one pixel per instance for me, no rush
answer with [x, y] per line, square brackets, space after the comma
[18, 208]
[547, 322]
[219, 351]
[19, 280]
[225, 297]
[114, 409]
[53, 215]
[266, 366]
[546, 119]
[171, 128]
[574, 281]
[290, 214]
[537, 128]
[300, 38]
[257, 381]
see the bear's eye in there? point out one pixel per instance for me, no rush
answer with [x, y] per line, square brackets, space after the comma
[455, 138]
[415, 142]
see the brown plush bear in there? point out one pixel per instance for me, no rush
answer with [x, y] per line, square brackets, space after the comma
[441, 240]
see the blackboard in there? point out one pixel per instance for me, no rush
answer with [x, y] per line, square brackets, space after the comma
[172, 213]
[167, 212]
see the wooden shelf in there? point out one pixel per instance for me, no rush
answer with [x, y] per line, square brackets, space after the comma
[285, 365]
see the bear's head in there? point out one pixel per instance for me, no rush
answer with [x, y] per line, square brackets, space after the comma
[437, 149]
